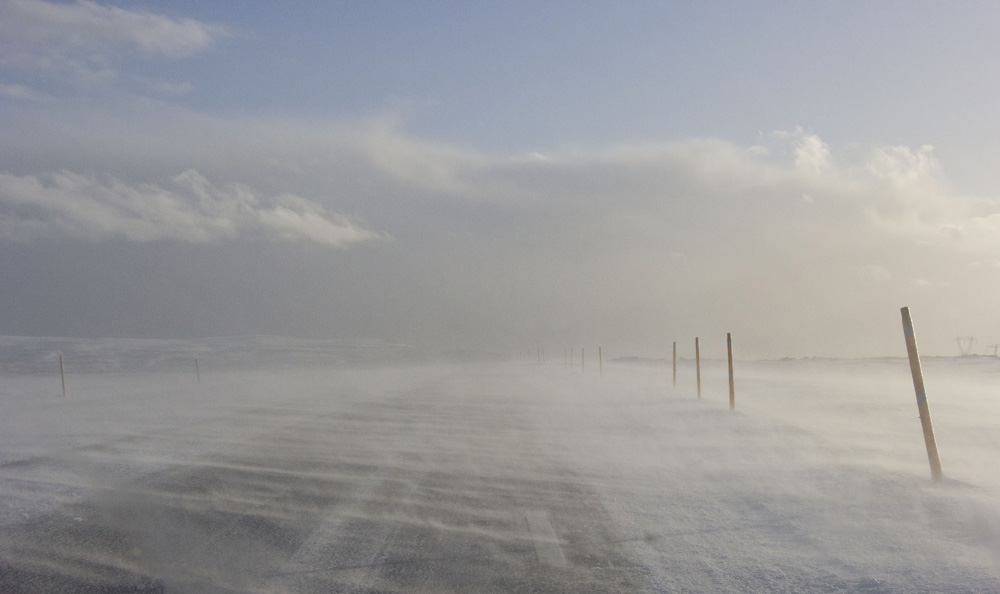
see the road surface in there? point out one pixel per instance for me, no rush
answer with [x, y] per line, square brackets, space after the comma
[475, 478]
[436, 481]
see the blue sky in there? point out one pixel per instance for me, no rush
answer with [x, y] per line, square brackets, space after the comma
[503, 174]
[526, 76]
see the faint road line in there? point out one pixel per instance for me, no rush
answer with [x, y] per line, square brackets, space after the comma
[544, 538]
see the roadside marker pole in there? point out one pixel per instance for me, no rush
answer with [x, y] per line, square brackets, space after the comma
[697, 364]
[600, 362]
[732, 386]
[918, 387]
[675, 363]
[62, 374]
[197, 370]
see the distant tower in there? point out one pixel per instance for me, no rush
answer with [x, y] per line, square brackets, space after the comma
[965, 344]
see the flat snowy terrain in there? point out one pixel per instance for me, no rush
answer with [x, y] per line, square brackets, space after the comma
[371, 471]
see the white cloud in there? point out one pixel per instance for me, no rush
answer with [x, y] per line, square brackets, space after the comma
[904, 192]
[415, 164]
[193, 210]
[801, 189]
[896, 192]
[902, 167]
[82, 42]
[88, 25]
[811, 156]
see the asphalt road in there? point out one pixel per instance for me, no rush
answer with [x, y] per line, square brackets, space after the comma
[435, 481]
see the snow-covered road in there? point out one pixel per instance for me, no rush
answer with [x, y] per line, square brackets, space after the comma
[499, 477]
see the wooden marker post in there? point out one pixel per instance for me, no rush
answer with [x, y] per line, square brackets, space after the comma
[697, 364]
[918, 387]
[732, 386]
[675, 363]
[62, 374]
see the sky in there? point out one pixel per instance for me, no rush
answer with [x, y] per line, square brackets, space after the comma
[504, 175]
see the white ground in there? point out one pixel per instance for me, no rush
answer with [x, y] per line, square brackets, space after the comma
[502, 476]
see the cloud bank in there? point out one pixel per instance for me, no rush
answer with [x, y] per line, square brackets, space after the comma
[790, 242]
[70, 205]
[83, 43]
[796, 246]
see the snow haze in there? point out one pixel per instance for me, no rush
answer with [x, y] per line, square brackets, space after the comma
[305, 466]
[308, 268]
[496, 176]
